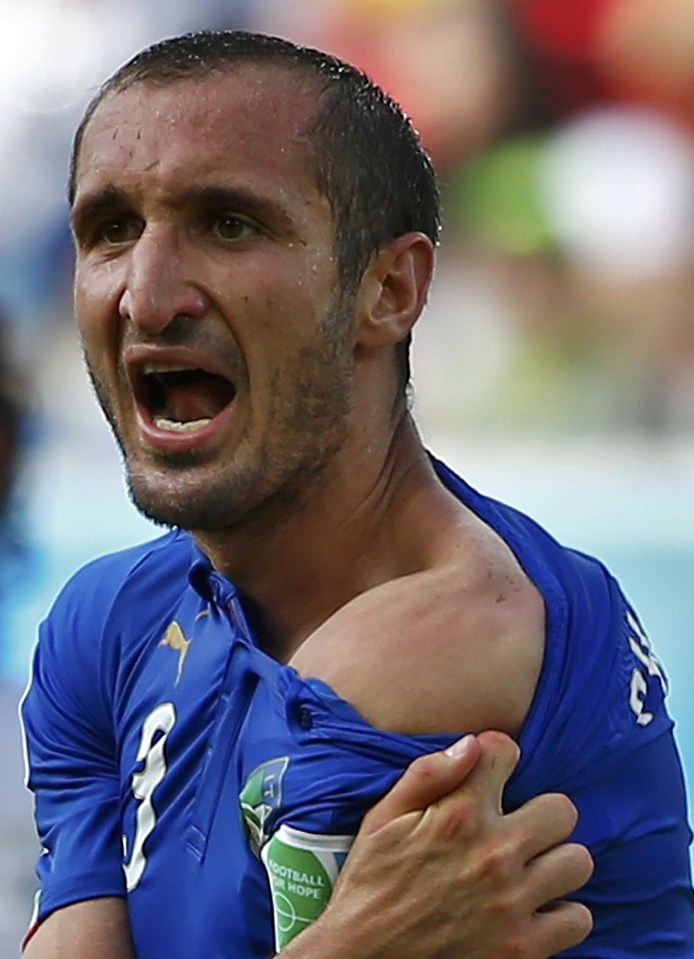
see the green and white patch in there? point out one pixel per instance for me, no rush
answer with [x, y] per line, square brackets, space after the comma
[302, 869]
[260, 798]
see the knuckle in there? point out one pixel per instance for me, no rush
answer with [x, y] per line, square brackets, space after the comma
[515, 945]
[516, 949]
[424, 767]
[497, 864]
[455, 819]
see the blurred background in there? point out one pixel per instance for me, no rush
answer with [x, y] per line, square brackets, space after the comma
[554, 366]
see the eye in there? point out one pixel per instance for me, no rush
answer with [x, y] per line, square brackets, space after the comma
[118, 230]
[230, 227]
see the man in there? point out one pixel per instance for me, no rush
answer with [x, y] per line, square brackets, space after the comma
[255, 227]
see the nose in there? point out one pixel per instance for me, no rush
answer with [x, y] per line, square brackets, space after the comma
[156, 288]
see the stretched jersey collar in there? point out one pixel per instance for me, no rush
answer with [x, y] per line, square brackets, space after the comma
[214, 588]
[205, 579]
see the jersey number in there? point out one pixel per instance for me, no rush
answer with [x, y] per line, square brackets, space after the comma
[650, 667]
[155, 730]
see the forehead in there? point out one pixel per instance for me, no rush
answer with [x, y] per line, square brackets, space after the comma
[249, 122]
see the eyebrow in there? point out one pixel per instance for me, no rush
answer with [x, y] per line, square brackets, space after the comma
[222, 197]
[236, 199]
[209, 198]
[110, 198]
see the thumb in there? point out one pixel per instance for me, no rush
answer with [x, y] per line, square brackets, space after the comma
[425, 780]
[499, 755]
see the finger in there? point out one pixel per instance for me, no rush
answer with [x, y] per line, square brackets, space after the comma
[557, 873]
[565, 925]
[425, 781]
[499, 756]
[543, 822]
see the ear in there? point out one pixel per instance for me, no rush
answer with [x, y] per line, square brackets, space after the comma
[393, 291]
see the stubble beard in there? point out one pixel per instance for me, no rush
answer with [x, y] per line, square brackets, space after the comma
[265, 479]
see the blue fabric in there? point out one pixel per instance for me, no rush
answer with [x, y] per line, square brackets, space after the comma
[141, 736]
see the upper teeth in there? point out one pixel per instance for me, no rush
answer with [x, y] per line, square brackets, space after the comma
[155, 368]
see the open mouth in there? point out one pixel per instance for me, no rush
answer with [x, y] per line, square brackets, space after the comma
[181, 399]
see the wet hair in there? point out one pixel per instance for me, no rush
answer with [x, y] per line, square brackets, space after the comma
[369, 162]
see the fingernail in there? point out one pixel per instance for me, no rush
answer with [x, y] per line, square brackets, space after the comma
[460, 746]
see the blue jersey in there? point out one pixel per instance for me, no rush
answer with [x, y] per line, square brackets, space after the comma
[175, 763]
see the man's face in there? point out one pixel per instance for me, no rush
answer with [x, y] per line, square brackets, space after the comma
[206, 294]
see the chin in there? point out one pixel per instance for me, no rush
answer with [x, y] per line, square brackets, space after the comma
[164, 502]
[155, 509]
[191, 502]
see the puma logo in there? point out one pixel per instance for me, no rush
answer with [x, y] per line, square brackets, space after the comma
[176, 639]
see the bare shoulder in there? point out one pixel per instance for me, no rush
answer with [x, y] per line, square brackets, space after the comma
[455, 647]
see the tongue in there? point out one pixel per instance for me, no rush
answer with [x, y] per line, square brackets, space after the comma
[195, 398]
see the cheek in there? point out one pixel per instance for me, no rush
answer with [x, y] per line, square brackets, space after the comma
[96, 308]
[291, 311]
[269, 322]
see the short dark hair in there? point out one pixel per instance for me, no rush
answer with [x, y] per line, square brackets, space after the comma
[369, 161]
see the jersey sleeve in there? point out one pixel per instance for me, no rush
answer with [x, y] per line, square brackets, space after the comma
[632, 814]
[600, 732]
[71, 758]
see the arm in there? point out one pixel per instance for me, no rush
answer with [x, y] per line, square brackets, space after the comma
[481, 877]
[80, 906]
[488, 885]
[96, 929]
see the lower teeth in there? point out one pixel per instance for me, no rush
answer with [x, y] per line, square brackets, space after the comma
[174, 426]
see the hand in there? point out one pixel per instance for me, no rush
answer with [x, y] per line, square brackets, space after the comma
[438, 871]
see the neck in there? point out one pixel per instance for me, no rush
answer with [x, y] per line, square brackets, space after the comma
[375, 516]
